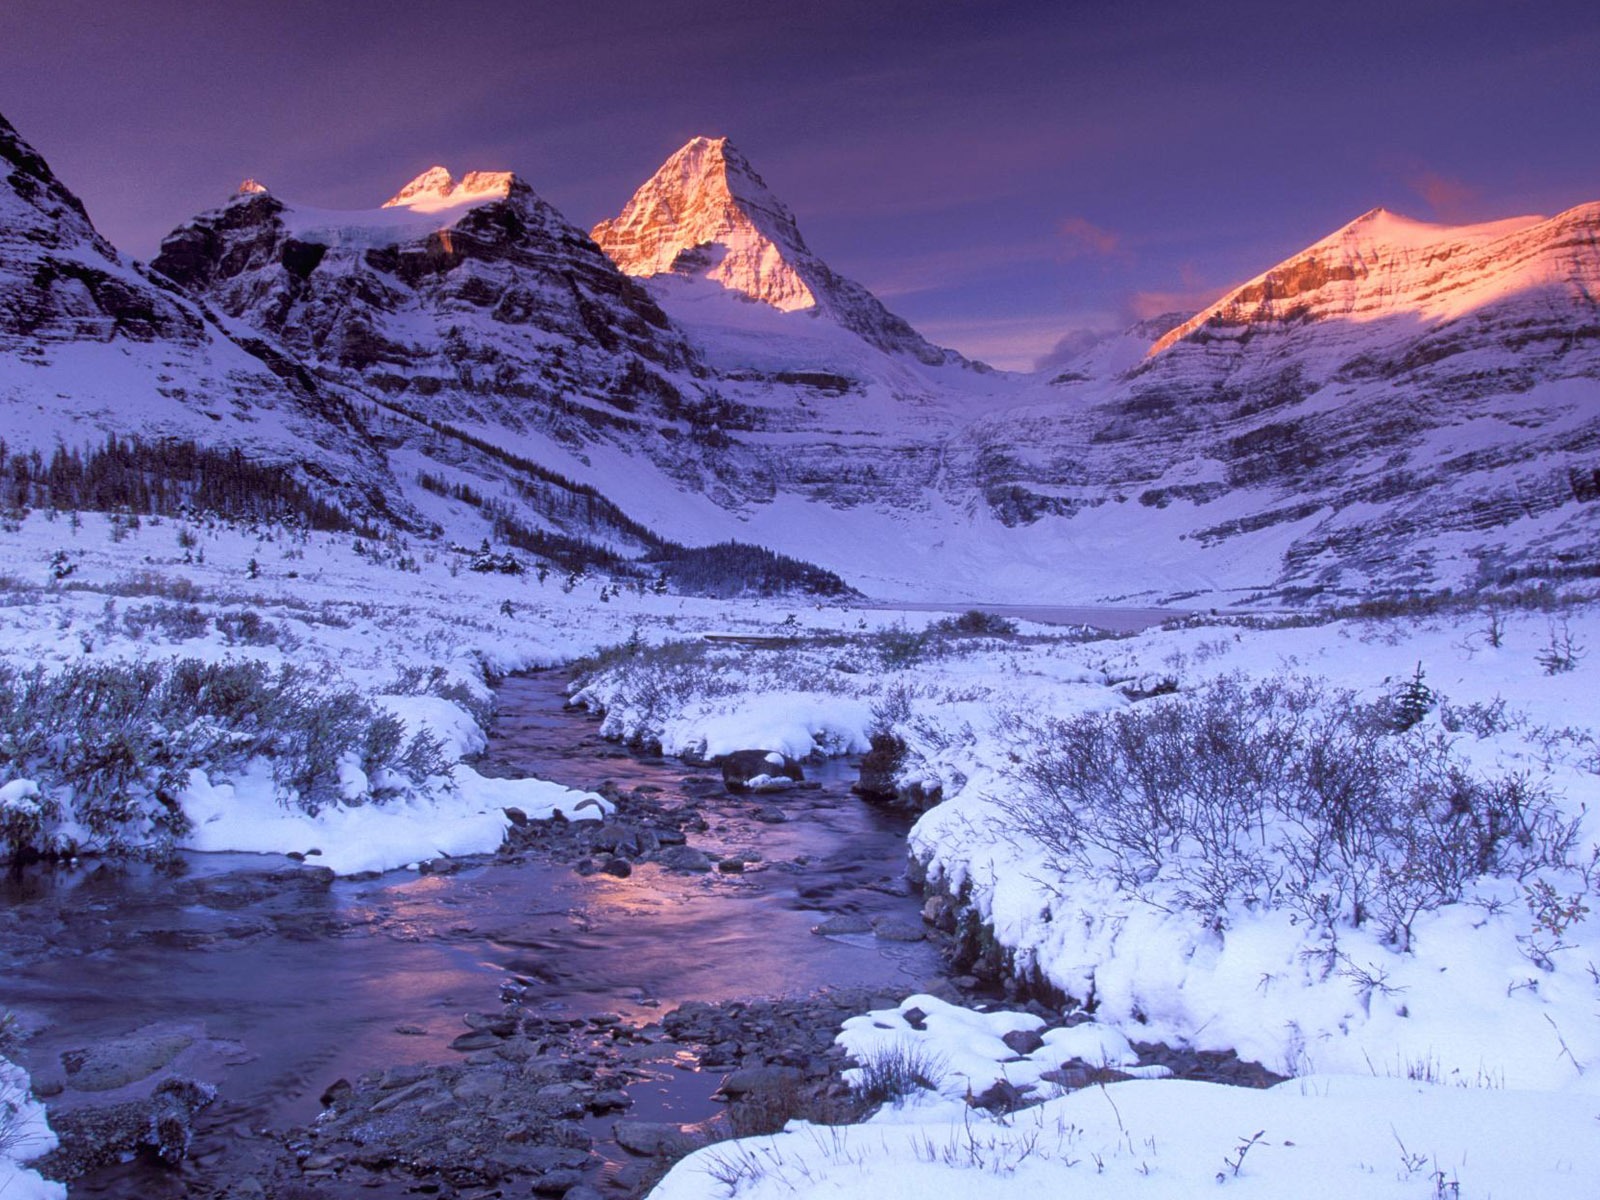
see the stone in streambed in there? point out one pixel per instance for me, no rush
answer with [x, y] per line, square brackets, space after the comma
[760, 1079]
[843, 923]
[887, 930]
[116, 1062]
[758, 770]
[656, 1139]
[684, 858]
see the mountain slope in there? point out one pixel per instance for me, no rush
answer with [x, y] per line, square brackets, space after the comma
[92, 346]
[1399, 404]
[707, 214]
[1387, 268]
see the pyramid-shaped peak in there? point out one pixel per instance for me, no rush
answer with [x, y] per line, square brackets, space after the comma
[437, 189]
[252, 187]
[706, 214]
[706, 207]
[716, 164]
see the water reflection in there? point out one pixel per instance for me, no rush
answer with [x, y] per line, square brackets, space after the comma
[321, 983]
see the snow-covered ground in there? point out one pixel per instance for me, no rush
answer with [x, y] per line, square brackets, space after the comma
[1466, 1056]
[1471, 1041]
[1314, 1136]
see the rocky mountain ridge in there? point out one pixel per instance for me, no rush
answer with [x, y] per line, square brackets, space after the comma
[1399, 405]
[470, 299]
[91, 345]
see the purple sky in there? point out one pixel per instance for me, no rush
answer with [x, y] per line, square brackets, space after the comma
[1003, 174]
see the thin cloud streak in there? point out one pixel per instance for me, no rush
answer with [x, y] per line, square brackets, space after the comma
[1081, 237]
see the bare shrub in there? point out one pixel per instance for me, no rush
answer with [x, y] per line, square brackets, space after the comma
[1277, 791]
[1480, 719]
[138, 729]
[1562, 652]
[766, 1109]
[174, 622]
[434, 680]
[977, 623]
[246, 627]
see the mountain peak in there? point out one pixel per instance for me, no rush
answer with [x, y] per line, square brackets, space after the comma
[436, 189]
[707, 212]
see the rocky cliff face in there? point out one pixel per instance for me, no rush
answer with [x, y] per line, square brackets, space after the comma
[91, 345]
[472, 305]
[1387, 279]
[469, 300]
[62, 282]
[707, 214]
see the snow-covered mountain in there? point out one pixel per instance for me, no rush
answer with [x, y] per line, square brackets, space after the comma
[1399, 405]
[1383, 267]
[92, 345]
[474, 307]
[498, 348]
[706, 214]
[469, 300]
[1392, 404]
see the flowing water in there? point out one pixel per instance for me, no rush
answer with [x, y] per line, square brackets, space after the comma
[284, 989]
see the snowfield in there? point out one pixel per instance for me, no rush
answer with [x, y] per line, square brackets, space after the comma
[1462, 1059]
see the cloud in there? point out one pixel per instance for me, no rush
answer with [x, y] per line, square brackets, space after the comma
[1012, 343]
[1069, 346]
[1141, 306]
[1082, 238]
[1450, 199]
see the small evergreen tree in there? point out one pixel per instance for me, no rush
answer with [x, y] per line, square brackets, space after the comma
[1412, 702]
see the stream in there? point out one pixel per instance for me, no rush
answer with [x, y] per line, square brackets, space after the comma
[254, 974]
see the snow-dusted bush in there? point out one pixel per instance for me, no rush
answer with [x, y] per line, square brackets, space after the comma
[108, 748]
[895, 1070]
[433, 680]
[1279, 791]
[174, 622]
[977, 623]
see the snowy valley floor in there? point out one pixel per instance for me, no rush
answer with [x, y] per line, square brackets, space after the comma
[1439, 1025]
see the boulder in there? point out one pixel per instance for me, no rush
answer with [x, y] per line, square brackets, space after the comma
[759, 770]
[760, 1079]
[1022, 1041]
[656, 1139]
[684, 858]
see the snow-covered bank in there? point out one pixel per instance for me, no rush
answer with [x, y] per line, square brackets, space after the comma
[275, 690]
[1314, 1137]
[466, 815]
[1495, 981]
[1370, 1136]
[24, 1136]
[1492, 982]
